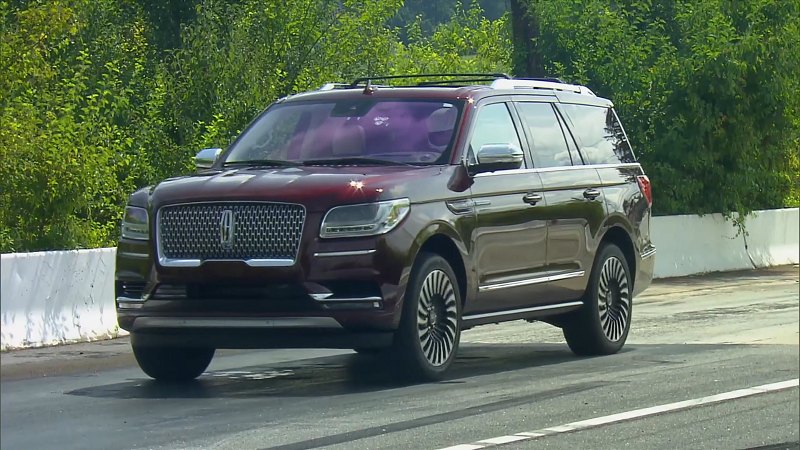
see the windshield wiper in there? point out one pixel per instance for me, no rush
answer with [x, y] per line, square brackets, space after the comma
[261, 162]
[354, 160]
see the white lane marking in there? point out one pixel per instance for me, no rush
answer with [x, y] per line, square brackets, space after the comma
[503, 440]
[530, 434]
[628, 415]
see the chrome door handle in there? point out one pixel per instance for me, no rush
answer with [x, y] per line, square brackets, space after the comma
[591, 194]
[532, 198]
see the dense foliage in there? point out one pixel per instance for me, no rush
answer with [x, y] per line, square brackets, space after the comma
[99, 97]
[707, 90]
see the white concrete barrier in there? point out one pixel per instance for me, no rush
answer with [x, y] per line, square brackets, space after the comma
[772, 237]
[58, 297]
[686, 245]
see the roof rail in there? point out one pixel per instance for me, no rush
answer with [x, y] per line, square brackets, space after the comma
[332, 86]
[499, 81]
[534, 83]
[434, 79]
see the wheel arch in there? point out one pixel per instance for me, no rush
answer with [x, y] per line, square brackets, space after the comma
[620, 237]
[444, 241]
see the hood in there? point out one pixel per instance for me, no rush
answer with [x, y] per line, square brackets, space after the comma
[316, 187]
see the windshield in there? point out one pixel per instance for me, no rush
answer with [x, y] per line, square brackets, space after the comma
[365, 131]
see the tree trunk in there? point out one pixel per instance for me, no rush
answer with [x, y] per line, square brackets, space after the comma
[527, 58]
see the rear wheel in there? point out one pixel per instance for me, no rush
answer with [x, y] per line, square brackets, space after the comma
[172, 363]
[430, 329]
[602, 324]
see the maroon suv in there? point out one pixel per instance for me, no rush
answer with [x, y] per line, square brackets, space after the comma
[388, 219]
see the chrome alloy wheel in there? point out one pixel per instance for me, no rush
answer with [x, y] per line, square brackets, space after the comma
[437, 317]
[614, 299]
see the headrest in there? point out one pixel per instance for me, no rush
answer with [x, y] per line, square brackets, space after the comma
[443, 119]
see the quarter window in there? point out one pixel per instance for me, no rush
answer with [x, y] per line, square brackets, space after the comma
[600, 134]
[549, 146]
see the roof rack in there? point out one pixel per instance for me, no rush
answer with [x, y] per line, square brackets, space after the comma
[499, 81]
[540, 83]
[332, 86]
[436, 79]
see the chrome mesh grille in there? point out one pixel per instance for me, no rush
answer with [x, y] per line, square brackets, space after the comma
[260, 231]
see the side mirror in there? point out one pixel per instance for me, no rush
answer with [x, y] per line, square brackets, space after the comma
[206, 157]
[492, 157]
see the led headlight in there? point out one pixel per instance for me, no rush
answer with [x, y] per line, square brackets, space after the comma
[135, 224]
[364, 220]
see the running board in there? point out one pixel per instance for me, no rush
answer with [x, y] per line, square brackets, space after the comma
[523, 313]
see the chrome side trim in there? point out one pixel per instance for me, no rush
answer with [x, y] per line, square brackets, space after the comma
[503, 172]
[588, 166]
[134, 255]
[523, 310]
[462, 206]
[465, 206]
[347, 253]
[350, 300]
[649, 253]
[166, 262]
[130, 303]
[559, 169]
[238, 322]
[511, 284]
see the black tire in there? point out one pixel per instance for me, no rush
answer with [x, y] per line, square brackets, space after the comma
[426, 342]
[602, 324]
[172, 363]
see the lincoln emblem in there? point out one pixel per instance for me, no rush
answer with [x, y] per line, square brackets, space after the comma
[227, 228]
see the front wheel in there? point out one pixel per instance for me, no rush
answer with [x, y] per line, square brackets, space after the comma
[602, 324]
[430, 329]
[172, 363]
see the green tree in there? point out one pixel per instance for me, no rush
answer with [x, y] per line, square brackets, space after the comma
[236, 60]
[102, 97]
[76, 103]
[707, 90]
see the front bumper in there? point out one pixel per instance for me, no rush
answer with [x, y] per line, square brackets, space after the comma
[249, 332]
[356, 284]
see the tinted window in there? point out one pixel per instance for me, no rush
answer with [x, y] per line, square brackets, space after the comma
[599, 134]
[403, 131]
[493, 126]
[549, 147]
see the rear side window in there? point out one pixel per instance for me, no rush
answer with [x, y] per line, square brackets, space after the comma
[599, 133]
[549, 147]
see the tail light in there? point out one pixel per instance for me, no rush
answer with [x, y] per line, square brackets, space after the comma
[644, 186]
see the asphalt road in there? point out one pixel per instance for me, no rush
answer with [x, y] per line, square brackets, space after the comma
[692, 340]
